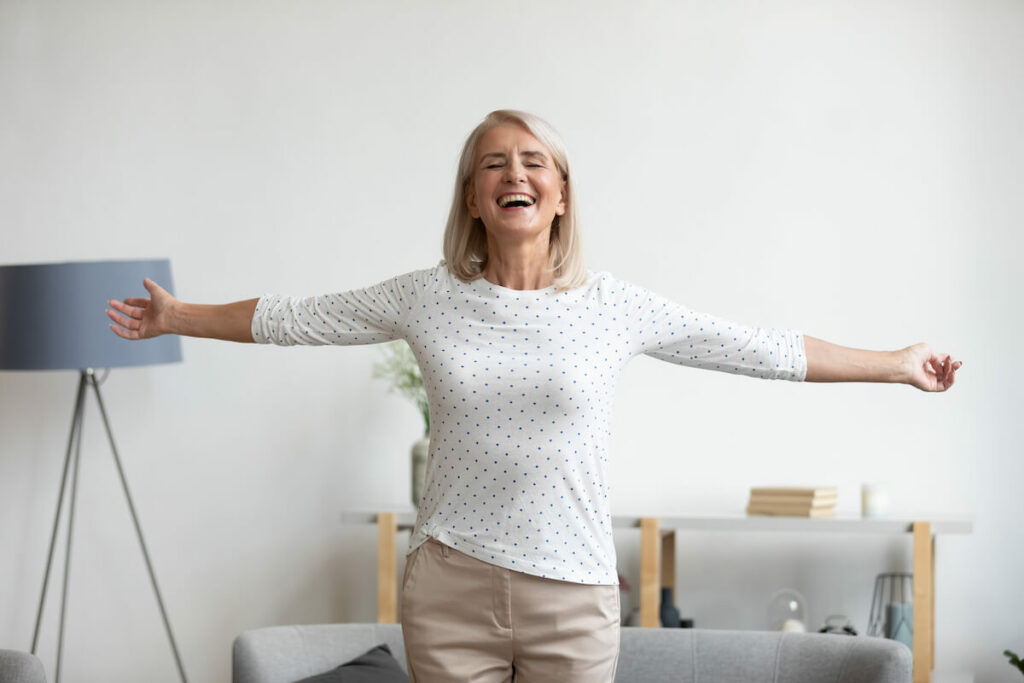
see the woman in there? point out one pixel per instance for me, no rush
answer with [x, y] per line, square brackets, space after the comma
[511, 568]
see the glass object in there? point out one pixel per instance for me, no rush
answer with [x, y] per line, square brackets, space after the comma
[787, 611]
[892, 608]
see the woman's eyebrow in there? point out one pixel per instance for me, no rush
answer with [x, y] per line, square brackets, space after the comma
[502, 155]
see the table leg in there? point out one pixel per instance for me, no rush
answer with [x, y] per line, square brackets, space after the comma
[924, 602]
[649, 572]
[387, 591]
[934, 541]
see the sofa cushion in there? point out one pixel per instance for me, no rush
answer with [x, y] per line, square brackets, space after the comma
[376, 666]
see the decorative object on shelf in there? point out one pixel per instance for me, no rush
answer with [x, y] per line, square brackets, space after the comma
[838, 624]
[892, 608]
[874, 500]
[420, 449]
[793, 501]
[51, 318]
[787, 611]
[1014, 660]
[400, 367]
[668, 613]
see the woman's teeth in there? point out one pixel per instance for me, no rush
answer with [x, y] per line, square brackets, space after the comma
[511, 201]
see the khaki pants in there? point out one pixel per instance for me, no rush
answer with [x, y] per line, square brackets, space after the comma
[467, 621]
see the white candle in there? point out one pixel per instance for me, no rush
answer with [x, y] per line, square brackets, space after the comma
[874, 500]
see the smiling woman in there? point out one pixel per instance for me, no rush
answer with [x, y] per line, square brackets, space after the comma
[511, 566]
[515, 196]
[522, 247]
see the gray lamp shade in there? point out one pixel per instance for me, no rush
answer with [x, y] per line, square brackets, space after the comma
[52, 315]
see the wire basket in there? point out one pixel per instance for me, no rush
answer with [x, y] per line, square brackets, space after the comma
[892, 608]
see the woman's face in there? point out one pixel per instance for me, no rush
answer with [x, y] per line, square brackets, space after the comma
[516, 188]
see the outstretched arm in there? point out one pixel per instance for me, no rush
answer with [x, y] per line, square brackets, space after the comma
[140, 318]
[917, 365]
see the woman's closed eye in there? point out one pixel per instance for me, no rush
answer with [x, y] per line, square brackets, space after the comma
[532, 164]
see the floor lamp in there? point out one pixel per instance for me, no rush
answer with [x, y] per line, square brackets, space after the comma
[52, 318]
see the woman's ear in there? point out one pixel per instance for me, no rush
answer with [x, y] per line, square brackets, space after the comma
[471, 201]
[562, 201]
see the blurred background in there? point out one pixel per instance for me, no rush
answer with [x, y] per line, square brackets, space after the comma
[851, 169]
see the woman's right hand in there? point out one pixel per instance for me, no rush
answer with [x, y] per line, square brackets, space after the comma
[139, 318]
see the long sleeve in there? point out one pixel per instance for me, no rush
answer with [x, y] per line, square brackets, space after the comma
[359, 316]
[672, 332]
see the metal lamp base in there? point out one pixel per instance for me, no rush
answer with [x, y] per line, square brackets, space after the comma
[87, 379]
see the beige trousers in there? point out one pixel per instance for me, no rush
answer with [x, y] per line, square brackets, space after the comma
[467, 621]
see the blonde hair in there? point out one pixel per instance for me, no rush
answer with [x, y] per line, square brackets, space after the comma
[465, 239]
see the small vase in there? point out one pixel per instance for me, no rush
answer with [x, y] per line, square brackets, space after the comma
[419, 467]
[669, 613]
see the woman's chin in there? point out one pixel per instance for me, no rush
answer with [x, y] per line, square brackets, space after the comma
[520, 226]
[518, 233]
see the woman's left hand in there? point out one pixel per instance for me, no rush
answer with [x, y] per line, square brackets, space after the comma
[928, 370]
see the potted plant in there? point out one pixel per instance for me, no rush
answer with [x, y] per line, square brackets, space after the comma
[399, 366]
[1014, 660]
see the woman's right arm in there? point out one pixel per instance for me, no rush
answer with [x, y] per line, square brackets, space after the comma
[139, 318]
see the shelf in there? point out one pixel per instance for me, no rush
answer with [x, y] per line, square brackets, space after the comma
[828, 525]
[886, 525]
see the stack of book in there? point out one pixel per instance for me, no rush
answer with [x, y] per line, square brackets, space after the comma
[793, 501]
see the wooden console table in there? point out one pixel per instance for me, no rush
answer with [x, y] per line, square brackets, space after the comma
[657, 558]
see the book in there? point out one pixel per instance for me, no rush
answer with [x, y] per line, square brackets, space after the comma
[793, 500]
[804, 512]
[796, 491]
[797, 507]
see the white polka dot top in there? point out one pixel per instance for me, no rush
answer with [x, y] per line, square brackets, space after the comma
[521, 386]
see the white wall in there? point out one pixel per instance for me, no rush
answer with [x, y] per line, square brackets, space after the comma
[848, 168]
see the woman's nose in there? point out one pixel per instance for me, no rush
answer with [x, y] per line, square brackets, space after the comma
[514, 172]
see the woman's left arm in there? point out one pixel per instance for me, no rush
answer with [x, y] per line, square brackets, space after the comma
[917, 365]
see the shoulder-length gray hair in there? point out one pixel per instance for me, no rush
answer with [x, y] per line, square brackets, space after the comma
[465, 240]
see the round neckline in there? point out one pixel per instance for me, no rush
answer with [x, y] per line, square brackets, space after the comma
[492, 285]
[483, 283]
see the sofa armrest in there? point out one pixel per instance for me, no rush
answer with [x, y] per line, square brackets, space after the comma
[21, 667]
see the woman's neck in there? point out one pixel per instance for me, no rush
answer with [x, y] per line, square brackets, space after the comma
[525, 266]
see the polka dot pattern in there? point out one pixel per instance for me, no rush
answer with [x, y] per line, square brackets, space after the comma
[521, 387]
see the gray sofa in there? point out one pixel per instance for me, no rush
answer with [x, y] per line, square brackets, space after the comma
[20, 667]
[283, 654]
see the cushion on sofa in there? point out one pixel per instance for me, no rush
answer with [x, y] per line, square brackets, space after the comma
[376, 666]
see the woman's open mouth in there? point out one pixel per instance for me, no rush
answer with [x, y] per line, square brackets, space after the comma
[515, 201]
